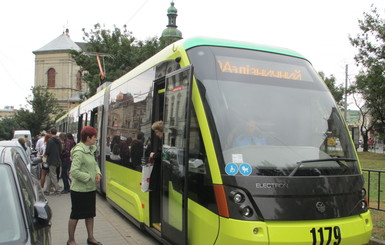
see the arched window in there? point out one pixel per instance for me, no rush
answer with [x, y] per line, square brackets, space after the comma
[79, 80]
[51, 74]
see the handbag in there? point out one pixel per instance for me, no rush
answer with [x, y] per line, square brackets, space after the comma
[146, 173]
[115, 157]
[44, 163]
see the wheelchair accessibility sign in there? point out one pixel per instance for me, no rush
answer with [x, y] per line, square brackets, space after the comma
[231, 169]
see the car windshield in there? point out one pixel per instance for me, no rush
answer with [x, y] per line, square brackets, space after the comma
[12, 228]
[16, 136]
[272, 113]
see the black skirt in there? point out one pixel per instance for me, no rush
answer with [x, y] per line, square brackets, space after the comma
[83, 205]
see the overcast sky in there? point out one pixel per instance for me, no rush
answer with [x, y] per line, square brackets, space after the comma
[317, 29]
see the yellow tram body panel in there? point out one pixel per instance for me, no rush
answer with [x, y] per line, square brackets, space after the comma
[124, 189]
[203, 225]
[353, 230]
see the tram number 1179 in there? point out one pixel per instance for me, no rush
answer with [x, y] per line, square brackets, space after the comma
[328, 234]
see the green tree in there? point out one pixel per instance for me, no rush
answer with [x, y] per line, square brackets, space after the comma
[7, 126]
[370, 86]
[336, 91]
[118, 50]
[45, 111]
[370, 83]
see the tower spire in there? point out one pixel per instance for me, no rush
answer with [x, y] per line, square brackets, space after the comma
[172, 14]
[172, 29]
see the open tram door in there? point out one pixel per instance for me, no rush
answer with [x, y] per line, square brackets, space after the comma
[176, 121]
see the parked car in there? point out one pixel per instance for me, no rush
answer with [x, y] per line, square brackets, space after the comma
[23, 133]
[30, 160]
[24, 211]
[18, 133]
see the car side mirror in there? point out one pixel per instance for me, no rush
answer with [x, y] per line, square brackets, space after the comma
[43, 213]
[36, 161]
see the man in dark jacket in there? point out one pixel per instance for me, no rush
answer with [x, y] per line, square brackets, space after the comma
[53, 151]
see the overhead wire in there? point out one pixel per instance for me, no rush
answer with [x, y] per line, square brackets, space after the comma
[137, 11]
[9, 74]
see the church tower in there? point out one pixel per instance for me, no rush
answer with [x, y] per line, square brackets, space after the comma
[56, 70]
[171, 33]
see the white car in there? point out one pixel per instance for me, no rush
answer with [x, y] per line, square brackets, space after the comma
[31, 162]
[24, 211]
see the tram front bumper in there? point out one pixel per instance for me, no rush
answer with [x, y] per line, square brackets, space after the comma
[350, 231]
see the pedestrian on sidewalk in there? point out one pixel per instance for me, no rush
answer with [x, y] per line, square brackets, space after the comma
[67, 145]
[85, 175]
[44, 165]
[21, 141]
[53, 151]
[40, 143]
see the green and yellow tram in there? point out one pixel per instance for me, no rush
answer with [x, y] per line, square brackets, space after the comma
[246, 154]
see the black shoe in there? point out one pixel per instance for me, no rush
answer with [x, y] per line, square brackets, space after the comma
[93, 243]
[55, 193]
[65, 191]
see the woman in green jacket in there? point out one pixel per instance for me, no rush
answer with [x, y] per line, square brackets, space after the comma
[85, 175]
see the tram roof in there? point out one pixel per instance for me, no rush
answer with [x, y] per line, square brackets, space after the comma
[92, 102]
[186, 44]
[201, 41]
[70, 112]
[207, 41]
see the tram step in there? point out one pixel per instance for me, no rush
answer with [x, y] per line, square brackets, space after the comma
[156, 226]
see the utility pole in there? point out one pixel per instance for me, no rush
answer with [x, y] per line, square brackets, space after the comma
[346, 92]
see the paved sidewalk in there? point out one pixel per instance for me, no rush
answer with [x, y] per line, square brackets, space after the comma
[111, 228]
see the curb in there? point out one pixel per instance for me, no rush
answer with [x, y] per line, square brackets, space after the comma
[374, 241]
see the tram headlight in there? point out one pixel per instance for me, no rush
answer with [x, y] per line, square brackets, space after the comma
[237, 197]
[363, 204]
[246, 211]
[363, 192]
[240, 206]
[364, 201]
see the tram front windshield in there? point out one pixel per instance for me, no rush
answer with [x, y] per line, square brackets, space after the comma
[272, 113]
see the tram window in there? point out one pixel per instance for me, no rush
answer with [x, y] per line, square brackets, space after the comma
[129, 114]
[200, 182]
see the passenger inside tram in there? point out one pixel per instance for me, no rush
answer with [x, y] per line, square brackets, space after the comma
[248, 134]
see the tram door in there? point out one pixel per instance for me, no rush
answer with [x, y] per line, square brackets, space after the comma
[101, 145]
[176, 116]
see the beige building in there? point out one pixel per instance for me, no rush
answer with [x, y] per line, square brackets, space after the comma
[55, 69]
[8, 111]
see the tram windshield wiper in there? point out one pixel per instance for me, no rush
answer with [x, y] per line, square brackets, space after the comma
[334, 159]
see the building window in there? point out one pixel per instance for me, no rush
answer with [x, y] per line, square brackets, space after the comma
[79, 80]
[51, 78]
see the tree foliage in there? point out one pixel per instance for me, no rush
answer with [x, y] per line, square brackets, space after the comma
[336, 91]
[370, 42]
[370, 83]
[45, 111]
[119, 52]
[7, 126]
